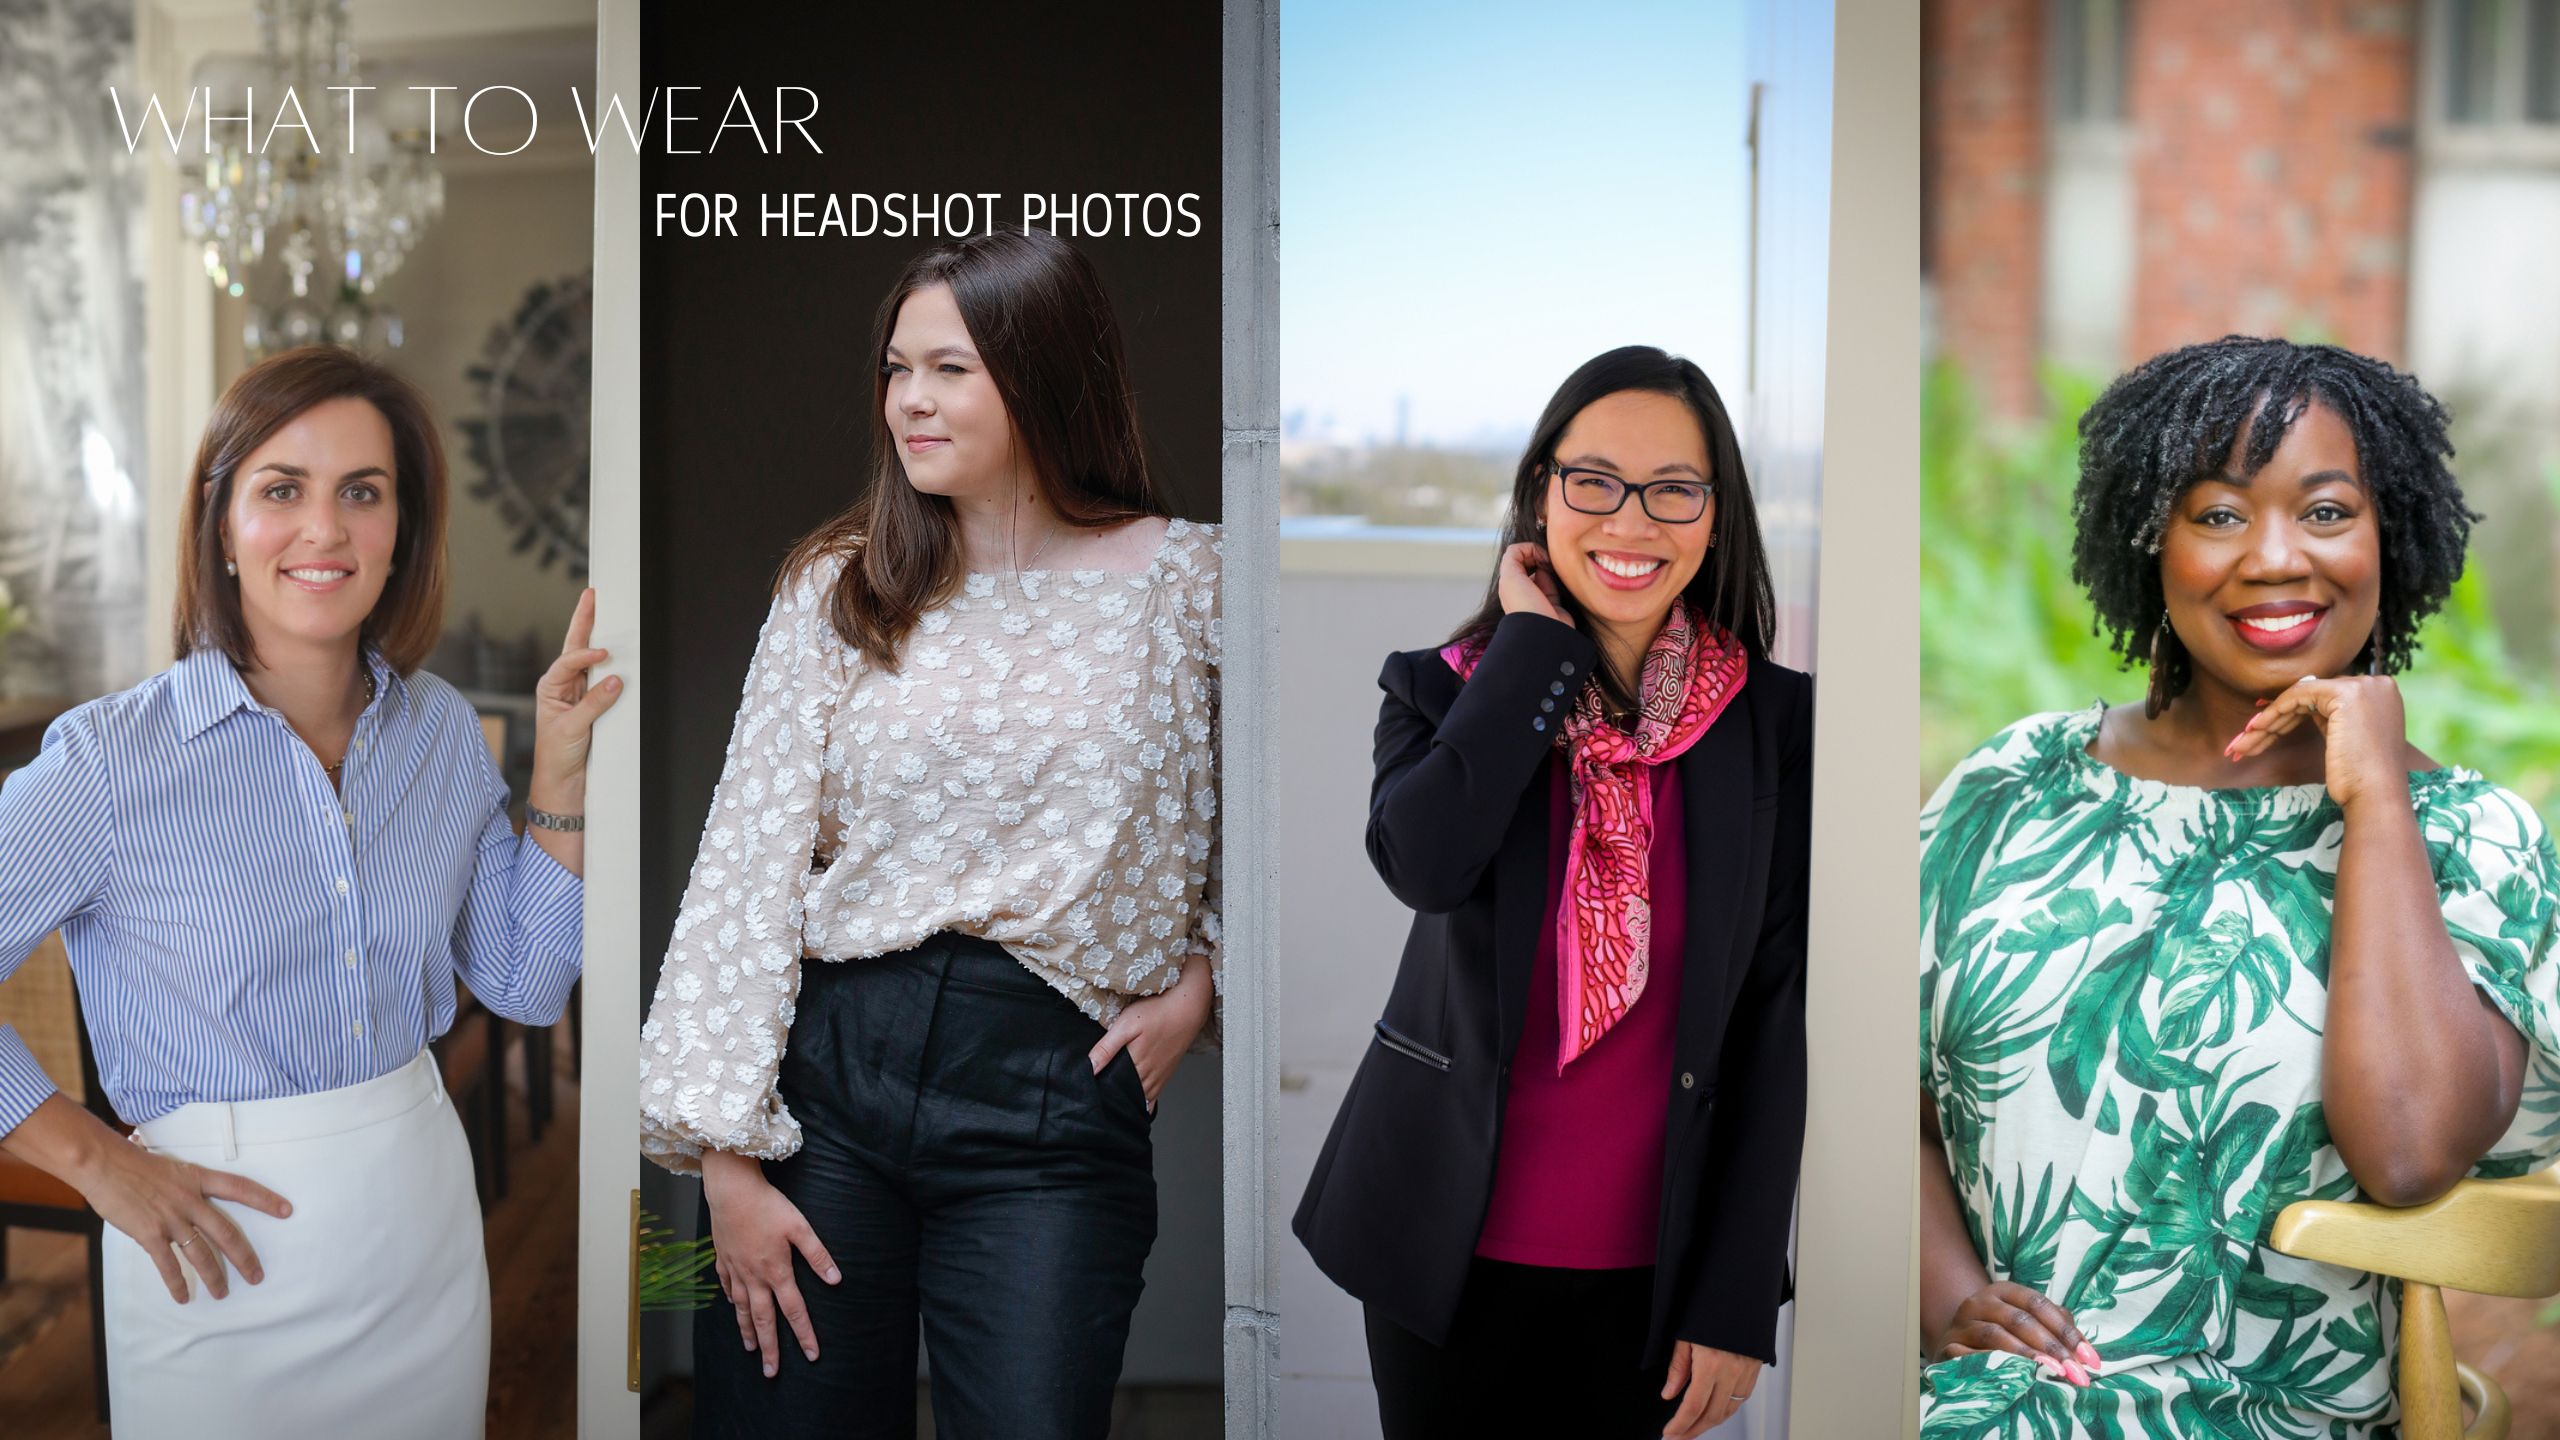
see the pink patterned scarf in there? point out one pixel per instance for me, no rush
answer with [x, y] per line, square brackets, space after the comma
[1604, 931]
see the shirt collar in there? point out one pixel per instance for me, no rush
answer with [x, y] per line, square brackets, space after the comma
[208, 689]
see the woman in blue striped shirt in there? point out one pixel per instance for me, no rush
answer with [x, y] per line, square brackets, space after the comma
[270, 863]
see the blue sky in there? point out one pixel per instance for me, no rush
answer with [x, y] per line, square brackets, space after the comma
[1475, 198]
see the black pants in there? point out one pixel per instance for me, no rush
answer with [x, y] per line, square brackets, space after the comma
[961, 1163]
[1534, 1351]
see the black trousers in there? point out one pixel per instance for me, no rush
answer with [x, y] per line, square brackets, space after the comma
[963, 1165]
[1534, 1351]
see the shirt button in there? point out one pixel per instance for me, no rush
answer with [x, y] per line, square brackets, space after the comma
[349, 815]
[351, 959]
[342, 884]
[356, 1029]
[1688, 1080]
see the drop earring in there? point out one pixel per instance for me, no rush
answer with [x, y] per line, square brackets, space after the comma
[2157, 698]
[230, 567]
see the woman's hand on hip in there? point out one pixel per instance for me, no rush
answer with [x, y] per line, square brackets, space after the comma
[754, 1230]
[2363, 727]
[2005, 1315]
[1717, 1382]
[1527, 583]
[565, 708]
[1158, 1031]
[166, 1205]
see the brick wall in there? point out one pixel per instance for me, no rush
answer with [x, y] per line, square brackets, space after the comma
[2272, 173]
[2272, 170]
[1982, 147]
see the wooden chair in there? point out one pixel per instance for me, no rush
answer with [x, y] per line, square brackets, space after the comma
[40, 1001]
[536, 1038]
[473, 1058]
[2490, 1237]
[473, 1054]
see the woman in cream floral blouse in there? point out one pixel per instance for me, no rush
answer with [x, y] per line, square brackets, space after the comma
[975, 769]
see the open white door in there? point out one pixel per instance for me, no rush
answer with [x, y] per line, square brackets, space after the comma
[608, 1088]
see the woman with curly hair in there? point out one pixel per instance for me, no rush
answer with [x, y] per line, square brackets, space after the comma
[2188, 963]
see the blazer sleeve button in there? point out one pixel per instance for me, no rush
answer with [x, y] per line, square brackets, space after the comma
[1539, 724]
[1688, 1080]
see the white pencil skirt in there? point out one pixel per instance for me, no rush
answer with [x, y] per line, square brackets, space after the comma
[373, 1318]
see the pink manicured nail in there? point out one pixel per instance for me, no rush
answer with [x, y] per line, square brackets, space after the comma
[2088, 1356]
[2078, 1376]
[2052, 1366]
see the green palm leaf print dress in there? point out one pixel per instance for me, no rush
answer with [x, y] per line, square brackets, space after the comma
[2122, 990]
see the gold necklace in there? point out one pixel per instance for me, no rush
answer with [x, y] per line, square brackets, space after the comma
[331, 768]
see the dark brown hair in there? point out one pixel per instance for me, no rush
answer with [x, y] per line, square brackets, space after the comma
[1036, 310]
[410, 612]
[1732, 590]
[2173, 421]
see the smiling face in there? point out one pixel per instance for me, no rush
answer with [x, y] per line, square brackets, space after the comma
[1626, 568]
[313, 518]
[2279, 575]
[953, 433]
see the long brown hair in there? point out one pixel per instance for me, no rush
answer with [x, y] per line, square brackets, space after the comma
[409, 614]
[1036, 310]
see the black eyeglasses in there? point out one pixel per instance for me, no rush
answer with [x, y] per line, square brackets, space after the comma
[1597, 492]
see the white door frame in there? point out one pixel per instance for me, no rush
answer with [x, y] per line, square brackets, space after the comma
[1249, 471]
[609, 1085]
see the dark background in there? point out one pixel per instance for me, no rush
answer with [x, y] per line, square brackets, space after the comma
[755, 377]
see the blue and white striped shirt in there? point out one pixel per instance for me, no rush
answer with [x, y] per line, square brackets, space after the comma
[239, 929]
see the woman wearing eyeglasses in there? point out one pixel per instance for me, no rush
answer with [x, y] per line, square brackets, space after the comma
[1561, 1180]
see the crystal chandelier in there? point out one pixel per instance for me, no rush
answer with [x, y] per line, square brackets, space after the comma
[338, 218]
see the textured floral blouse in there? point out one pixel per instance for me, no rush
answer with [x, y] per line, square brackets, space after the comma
[1040, 771]
[2122, 989]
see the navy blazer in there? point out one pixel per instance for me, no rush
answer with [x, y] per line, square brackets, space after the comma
[1458, 828]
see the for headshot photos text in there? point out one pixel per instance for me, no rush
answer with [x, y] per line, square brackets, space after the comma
[858, 215]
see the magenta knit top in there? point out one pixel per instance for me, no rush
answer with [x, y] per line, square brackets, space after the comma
[1577, 1180]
